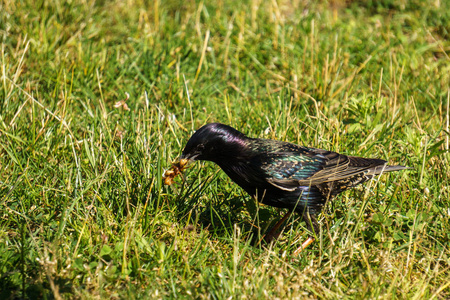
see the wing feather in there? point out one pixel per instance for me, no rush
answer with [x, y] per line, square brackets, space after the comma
[289, 170]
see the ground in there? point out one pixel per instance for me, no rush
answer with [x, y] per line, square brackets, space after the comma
[98, 98]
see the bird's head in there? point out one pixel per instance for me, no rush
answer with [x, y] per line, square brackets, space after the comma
[214, 142]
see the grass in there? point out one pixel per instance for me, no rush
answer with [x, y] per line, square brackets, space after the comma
[84, 213]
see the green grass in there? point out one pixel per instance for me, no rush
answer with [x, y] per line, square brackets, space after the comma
[83, 210]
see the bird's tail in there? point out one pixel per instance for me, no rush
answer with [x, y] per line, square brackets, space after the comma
[384, 169]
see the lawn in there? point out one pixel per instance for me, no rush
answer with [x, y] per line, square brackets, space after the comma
[98, 98]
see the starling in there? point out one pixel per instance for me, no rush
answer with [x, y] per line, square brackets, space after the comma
[280, 174]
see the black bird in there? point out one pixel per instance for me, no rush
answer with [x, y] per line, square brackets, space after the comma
[282, 174]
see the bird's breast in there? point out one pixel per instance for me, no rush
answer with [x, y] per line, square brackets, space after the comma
[243, 174]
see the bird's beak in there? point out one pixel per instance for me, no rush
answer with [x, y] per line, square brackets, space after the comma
[189, 157]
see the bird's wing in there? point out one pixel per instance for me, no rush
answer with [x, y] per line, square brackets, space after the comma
[308, 166]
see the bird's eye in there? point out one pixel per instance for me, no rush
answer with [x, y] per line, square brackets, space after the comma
[200, 147]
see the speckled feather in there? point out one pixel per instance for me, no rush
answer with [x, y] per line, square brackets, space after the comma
[282, 174]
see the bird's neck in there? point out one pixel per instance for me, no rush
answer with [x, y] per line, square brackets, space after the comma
[231, 152]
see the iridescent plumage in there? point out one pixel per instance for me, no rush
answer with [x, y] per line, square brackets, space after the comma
[282, 174]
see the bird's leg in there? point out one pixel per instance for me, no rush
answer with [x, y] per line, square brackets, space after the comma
[305, 244]
[313, 226]
[273, 234]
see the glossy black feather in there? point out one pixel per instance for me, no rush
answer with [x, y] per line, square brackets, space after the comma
[282, 174]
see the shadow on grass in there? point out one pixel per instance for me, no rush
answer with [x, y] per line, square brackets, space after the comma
[221, 213]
